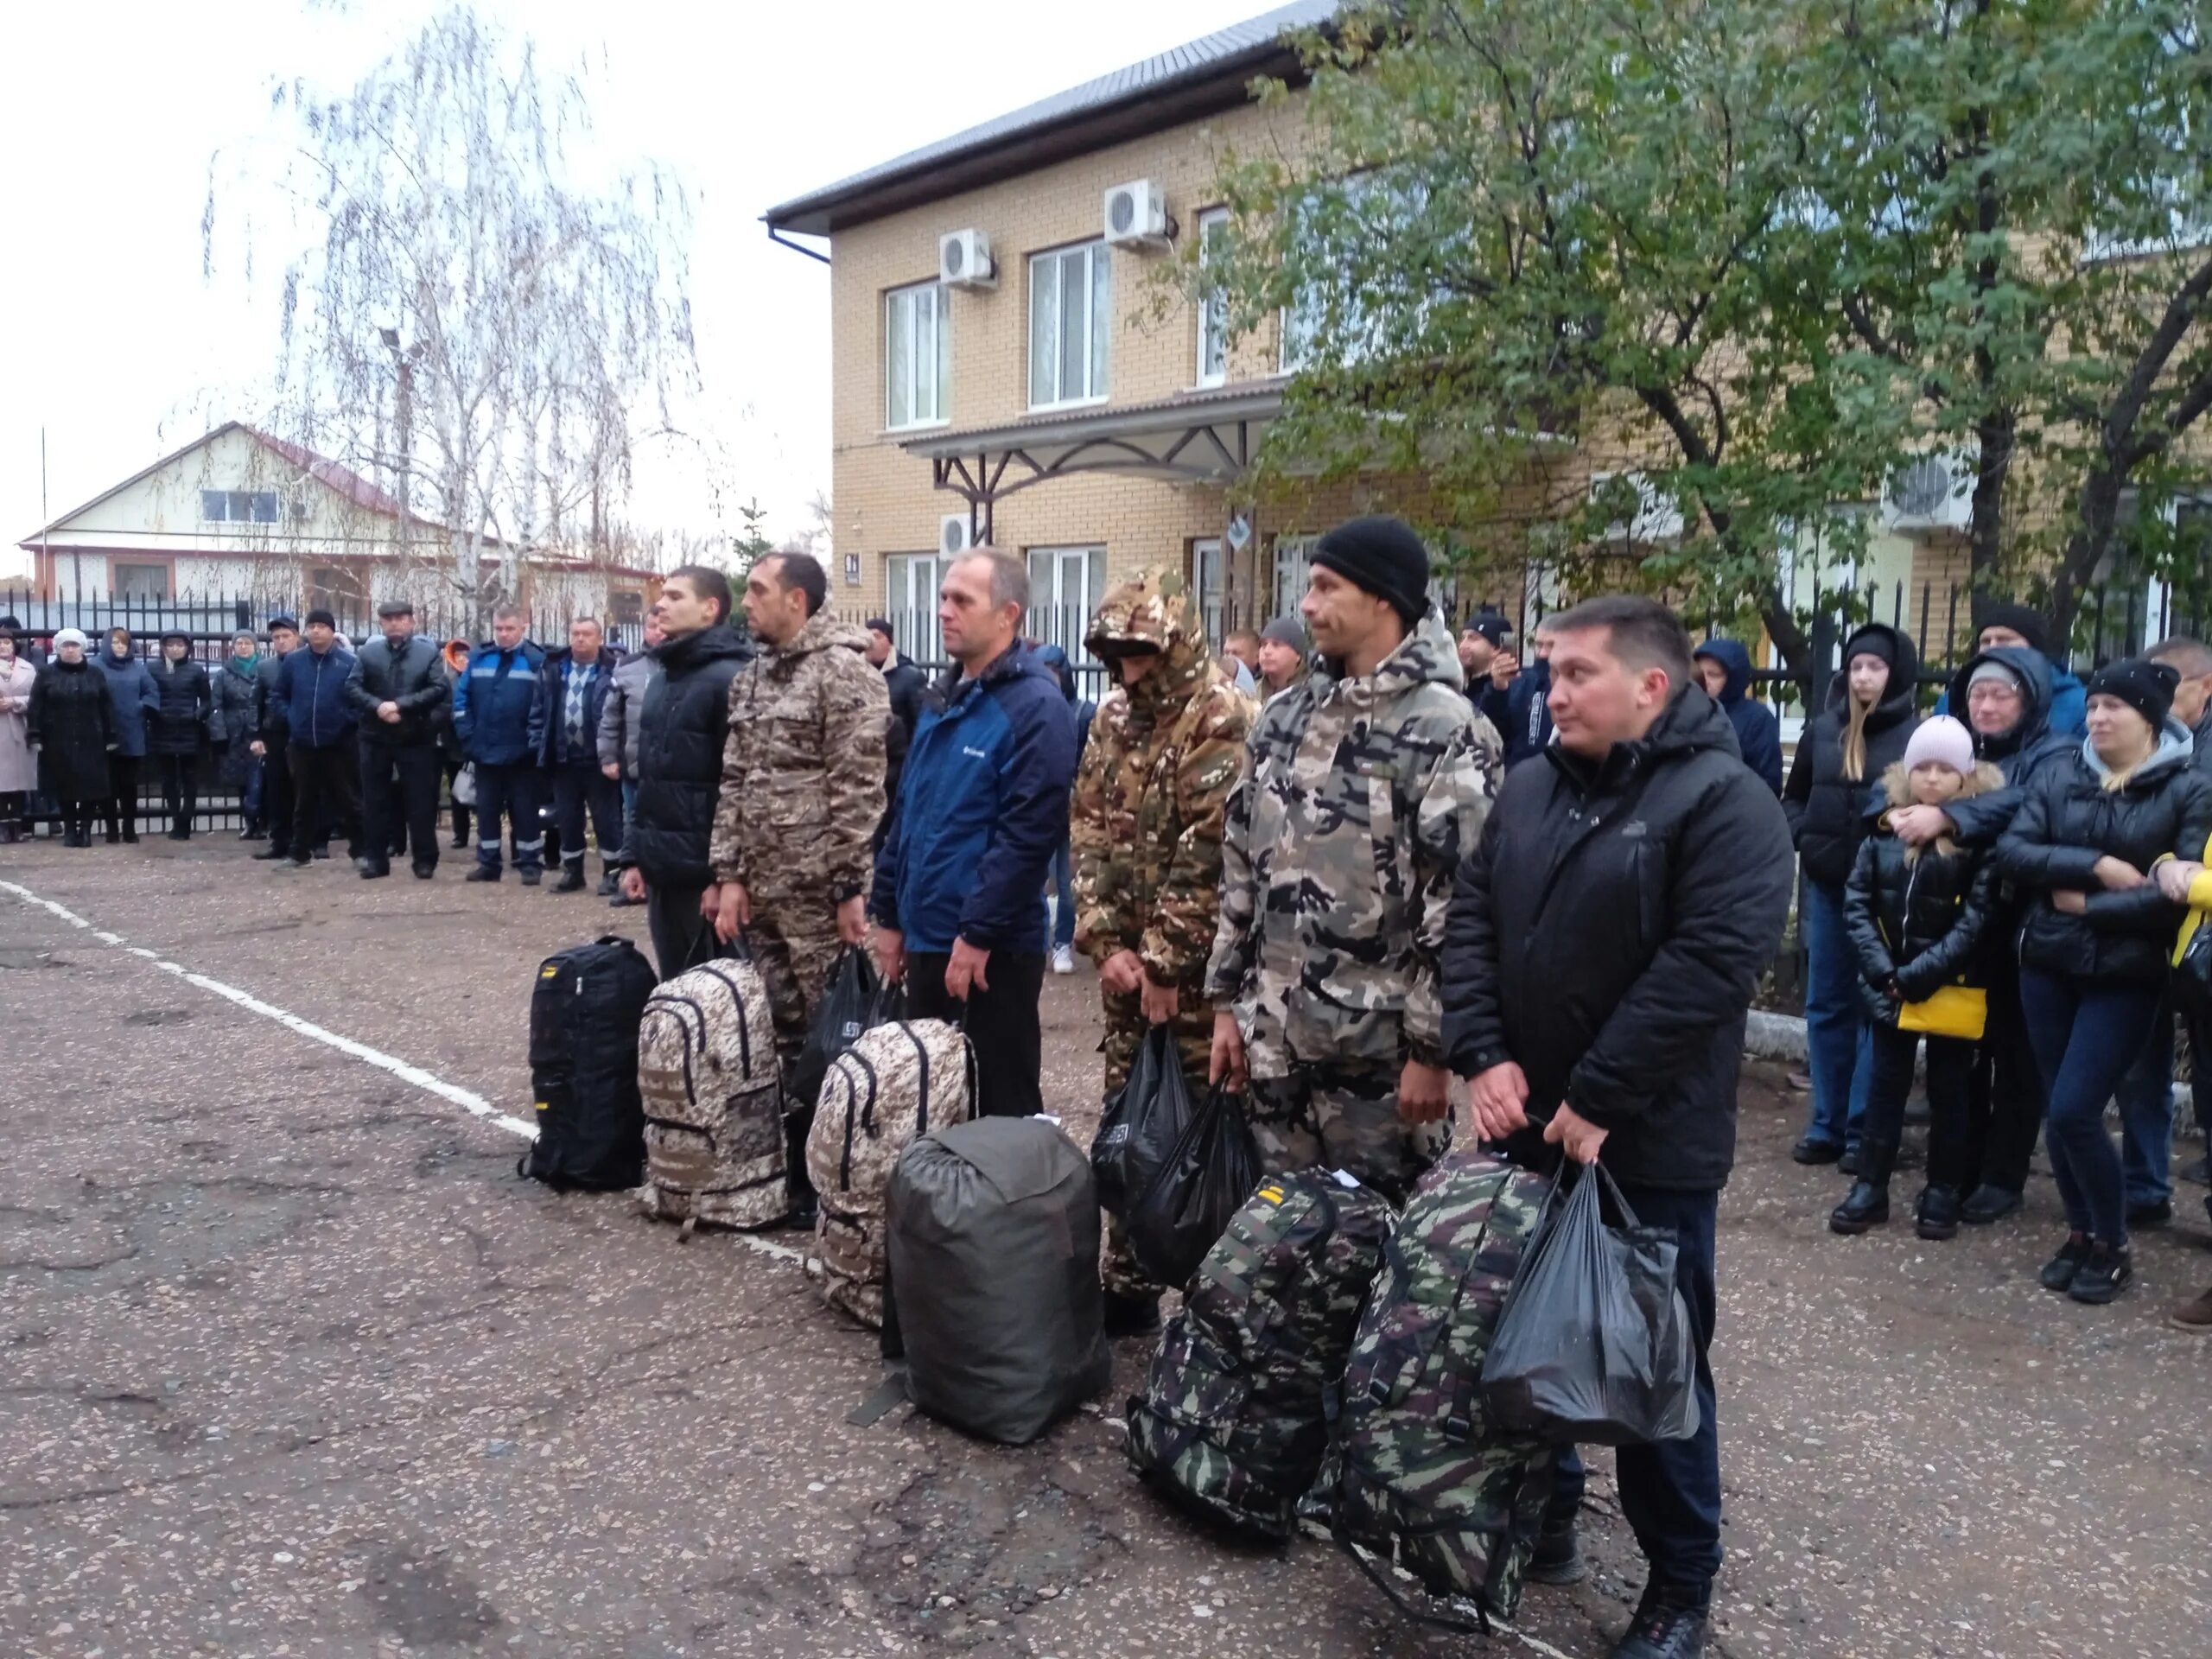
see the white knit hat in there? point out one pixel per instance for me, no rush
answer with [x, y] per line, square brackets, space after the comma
[69, 636]
[1943, 741]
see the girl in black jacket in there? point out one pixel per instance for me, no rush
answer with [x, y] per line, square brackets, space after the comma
[1916, 915]
[2094, 941]
[1843, 752]
[181, 723]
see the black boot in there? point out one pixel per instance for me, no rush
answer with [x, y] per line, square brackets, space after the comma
[1939, 1213]
[1557, 1558]
[1665, 1626]
[1867, 1205]
[572, 877]
[1987, 1203]
[798, 1185]
[1131, 1316]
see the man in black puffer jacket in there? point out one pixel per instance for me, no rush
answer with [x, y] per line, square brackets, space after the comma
[680, 736]
[401, 698]
[1604, 941]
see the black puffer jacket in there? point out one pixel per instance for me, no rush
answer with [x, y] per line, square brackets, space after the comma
[269, 725]
[1916, 922]
[1827, 811]
[1607, 932]
[2068, 820]
[185, 719]
[414, 677]
[680, 734]
[72, 722]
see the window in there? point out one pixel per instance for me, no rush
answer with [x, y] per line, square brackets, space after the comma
[139, 582]
[238, 506]
[910, 603]
[626, 605]
[917, 355]
[1213, 309]
[1294, 567]
[1209, 578]
[1071, 318]
[1065, 586]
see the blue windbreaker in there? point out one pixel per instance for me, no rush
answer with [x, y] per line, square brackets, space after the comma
[498, 705]
[1758, 734]
[983, 806]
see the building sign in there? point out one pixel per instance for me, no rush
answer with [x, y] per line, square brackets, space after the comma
[852, 570]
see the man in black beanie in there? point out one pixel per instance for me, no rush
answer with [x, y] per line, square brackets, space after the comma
[1368, 781]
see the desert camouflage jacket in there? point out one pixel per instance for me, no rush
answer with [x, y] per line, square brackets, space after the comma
[803, 767]
[1162, 758]
[1337, 860]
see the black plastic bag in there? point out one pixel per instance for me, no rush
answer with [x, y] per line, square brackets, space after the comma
[855, 999]
[1137, 1135]
[1594, 1345]
[1197, 1193]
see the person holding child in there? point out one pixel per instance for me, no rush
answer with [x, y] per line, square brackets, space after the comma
[1916, 914]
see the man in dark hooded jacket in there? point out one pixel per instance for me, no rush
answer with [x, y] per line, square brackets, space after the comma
[1604, 941]
[2006, 695]
[1528, 729]
[1725, 667]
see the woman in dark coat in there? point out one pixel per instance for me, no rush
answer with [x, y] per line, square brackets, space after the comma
[2096, 937]
[182, 721]
[236, 686]
[133, 699]
[73, 726]
[1841, 758]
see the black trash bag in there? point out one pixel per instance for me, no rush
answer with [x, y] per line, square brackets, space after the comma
[854, 1000]
[1137, 1135]
[1594, 1345]
[1197, 1193]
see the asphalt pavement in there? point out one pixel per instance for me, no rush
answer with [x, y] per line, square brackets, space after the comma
[295, 1365]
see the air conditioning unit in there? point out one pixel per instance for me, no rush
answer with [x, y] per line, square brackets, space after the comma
[1137, 216]
[1931, 493]
[954, 534]
[963, 260]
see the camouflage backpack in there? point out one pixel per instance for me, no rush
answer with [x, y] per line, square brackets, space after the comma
[895, 1084]
[1425, 1478]
[714, 1100]
[1235, 1416]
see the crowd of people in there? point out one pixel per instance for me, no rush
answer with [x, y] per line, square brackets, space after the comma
[1346, 861]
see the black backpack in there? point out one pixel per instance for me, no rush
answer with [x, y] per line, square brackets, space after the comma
[583, 1067]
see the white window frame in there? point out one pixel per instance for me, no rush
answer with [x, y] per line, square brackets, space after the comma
[1293, 571]
[1060, 607]
[1209, 581]
[911, 581]
[119, 585]
[1098, 355]
[903, 313]
[1213, 308]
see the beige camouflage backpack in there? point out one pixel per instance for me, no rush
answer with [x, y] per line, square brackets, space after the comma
[896, 1082]
[714, 1100]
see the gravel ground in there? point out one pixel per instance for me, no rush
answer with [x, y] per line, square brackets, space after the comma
[295, 1365]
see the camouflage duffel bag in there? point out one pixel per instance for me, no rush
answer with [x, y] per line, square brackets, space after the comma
[896, 1084]
[1235, 1417]
[1425, 1478]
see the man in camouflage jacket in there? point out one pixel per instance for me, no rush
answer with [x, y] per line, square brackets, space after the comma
[802, 792]
[1367, 782]
[1166, 749]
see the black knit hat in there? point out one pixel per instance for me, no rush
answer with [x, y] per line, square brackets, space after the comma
[2145, 686]
[1383, 555]
[2023, 619]
[323, 617]
[1870, 642]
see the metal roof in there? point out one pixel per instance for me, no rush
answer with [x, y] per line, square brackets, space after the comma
[1196, 79]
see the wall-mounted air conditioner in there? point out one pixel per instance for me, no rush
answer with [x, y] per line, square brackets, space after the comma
[1137, 216]
[963, 260]
[1934, 492]
[954, 534]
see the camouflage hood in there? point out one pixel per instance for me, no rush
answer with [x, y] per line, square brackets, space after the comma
[1429, 654]
[1154, 608]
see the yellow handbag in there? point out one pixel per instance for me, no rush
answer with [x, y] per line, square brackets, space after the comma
[1952, 1011]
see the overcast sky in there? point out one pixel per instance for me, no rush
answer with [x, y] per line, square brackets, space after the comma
[111, 340]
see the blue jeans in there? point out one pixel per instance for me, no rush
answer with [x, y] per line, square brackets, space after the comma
[1839, 1049]
[1670, 1491]
[1063, 884]
[2145, 1096]
[2086, 1036]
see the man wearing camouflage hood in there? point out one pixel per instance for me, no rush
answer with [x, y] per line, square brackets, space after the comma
[1368, 781]
[1166, 749]
[802, 792]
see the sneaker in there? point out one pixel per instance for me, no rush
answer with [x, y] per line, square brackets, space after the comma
[1131, 1316]
[572, 879]
[1987, 1203]
[530, 877]
[2057, 1275]
[2155, 1213]
[2195, 1314]
[1938, 1216]
[483, 872]
[1557, 1558]
[1814, 1150]
[1062, 959]
[1867, 1206]
[1665, 1626]
[2103, 1274]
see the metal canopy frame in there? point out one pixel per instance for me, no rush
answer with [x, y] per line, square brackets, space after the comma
[1206, 438]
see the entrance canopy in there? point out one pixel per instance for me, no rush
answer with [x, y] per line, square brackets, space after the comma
[1194, 437]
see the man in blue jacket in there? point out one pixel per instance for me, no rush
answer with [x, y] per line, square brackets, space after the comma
[499, 713]
[1725, 668]
[958, 898]
[309, 702]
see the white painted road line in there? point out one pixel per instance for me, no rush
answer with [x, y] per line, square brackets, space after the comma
[474, 1104]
